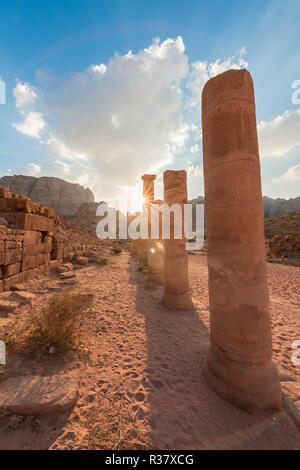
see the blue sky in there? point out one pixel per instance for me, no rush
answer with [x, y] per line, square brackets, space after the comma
[47, 53]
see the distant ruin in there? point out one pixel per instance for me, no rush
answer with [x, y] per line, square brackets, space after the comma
[64, 197]
[31, 240]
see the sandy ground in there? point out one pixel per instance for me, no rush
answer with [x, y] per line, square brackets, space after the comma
[141, 369]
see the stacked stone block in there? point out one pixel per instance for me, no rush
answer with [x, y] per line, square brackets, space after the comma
[26, 231]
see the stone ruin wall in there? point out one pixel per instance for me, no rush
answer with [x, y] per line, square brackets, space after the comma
[31, 240]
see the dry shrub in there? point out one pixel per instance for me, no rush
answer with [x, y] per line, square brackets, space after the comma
[116, 251]
[56, 325]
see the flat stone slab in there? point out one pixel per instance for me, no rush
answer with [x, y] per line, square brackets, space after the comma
[61, 269]
[34, 395]
[24, 297]
[68, 275]
[102, 261]
[82, 260]
[8, 306]
[68, 282]
[18, 287]
[68, 266]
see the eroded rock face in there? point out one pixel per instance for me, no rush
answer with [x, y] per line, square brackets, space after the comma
[177, 294]
[86, 214]
[284, 247]
[58, 194]
[275, 207]
[272, 207]
[239, 363]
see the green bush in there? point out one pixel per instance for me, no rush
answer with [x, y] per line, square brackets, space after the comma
[116, 250]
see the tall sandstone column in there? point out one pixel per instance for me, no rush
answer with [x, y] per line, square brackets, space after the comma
[177, 294]
[148, 188]
[239, 365]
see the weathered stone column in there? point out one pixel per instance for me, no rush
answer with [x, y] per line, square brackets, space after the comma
[148, 188]
[177, 295]
[239, 365]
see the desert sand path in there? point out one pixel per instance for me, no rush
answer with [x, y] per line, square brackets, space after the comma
[141, 369]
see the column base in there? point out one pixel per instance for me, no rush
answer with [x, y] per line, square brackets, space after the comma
[177, 301]
[252, 387]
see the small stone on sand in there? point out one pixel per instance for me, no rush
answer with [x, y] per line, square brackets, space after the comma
[68, 275]
[82, 260]
[68, 282]
[18, 287]
[24, 297]
[61, 269]
[8, 306]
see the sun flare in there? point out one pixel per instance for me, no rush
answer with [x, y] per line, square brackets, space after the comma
[136, 201]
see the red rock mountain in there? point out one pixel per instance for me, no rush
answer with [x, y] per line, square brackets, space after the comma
[63, 197]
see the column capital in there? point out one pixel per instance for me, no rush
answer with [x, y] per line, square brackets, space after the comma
[149, 177]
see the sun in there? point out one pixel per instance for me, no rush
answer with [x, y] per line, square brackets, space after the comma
[136, 201]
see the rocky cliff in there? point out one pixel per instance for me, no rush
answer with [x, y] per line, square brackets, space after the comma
[283, 236]
[86, 215]
[272, 207]
[275, 207]
[63, 197]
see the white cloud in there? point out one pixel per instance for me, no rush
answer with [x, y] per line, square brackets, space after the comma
[196, 132]
[195, 148]
[202, 71]
[74, 172]
[101, 68]
[292, 174]
[126, 120]
[194, 170]
[32, 125]
[33, 169]
[279, 136]
[56, 147]
[24, 94]
[113, 122]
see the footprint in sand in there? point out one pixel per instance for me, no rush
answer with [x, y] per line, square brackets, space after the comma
[90, 398]
[134, 375]
[139, 396]
[101, 382]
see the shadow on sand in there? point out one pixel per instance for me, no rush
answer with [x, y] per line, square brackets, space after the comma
[184, 413]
